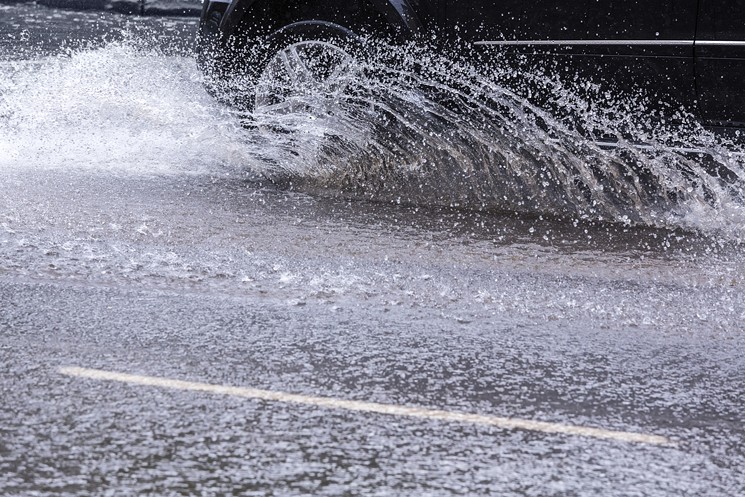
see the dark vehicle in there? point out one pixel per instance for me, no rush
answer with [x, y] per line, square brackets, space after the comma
[687, 53]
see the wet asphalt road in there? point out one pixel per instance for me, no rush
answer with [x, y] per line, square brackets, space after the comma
[80, 437]
[178, 265]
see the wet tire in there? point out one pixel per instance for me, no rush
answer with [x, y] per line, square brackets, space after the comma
[235, 75]
[303, 74]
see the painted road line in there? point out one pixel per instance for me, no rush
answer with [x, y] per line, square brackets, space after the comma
[373, 407]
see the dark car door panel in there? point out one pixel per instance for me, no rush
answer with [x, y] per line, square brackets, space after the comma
[720, 61]
[588, 20]
[673, 54]
[642, 50]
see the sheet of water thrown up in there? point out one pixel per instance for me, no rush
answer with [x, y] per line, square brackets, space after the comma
[410, 126]
[416, 127]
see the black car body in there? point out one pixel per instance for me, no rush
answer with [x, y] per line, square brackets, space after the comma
[687, 53]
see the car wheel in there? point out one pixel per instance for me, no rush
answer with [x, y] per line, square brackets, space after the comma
[303, 75]
[298, 62]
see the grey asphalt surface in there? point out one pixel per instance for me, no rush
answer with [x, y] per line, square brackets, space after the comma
[76, 437]
[161, 255]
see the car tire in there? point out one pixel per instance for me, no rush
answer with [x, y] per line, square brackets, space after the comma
[305, 58]
[234, 79]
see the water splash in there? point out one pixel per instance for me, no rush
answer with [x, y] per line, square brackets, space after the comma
[121, 109]
[409, 126]
[416, 127]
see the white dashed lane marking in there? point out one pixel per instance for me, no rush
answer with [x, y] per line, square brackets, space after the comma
[372, 407]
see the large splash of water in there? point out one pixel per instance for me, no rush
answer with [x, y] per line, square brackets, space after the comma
[417, 127]
[119, 109]
[409, 126]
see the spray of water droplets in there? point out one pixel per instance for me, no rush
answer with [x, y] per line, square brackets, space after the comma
[416, 127]
[407, 125]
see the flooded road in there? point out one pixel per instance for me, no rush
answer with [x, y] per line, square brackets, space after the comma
[147, 229]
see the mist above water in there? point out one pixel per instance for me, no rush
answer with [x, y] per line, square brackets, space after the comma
[407, 126]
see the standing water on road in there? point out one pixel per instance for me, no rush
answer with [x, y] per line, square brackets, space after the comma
[410, 130]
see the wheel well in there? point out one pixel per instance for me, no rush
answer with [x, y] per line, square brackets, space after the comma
[267, 16]
[244, 48]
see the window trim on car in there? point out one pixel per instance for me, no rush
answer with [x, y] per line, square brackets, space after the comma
[608, 42]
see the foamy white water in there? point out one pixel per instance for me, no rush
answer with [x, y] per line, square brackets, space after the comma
[117, 110]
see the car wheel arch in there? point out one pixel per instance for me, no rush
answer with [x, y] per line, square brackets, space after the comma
[398, 15]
